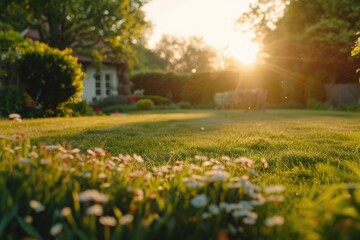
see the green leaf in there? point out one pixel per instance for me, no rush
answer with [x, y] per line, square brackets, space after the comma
[80, 234]
[29, 229]
[6, 219]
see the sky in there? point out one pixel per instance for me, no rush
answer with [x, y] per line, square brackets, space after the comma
[214, 20]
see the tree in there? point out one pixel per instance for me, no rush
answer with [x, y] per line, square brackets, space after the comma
[80, 24]
[170, 49]
[356, 49]
[198, 56]
[262, 17]
[186, 55]
[309, 42]
[147, 59]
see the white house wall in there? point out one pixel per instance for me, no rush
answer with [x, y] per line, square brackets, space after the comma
[90, 90]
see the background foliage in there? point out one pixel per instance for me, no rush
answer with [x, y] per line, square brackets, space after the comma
[307, 44]
[52, 78]
[38, 80]
[80, 25]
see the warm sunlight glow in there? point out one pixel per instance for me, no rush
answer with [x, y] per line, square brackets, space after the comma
[215, 23]
[213, 20]
[244, 50]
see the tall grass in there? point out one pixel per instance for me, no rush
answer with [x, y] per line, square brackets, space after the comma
[49, 191]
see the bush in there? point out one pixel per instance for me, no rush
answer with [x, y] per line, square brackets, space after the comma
[158, 100]
[52, 78]
[11, 93]
[119, 108]
[112, 100]
[317, 105]
[167, 107]
[145, 104]
[291, 104]
[184, 105]
[11, 99]
[81, 108]
[209, 105]
[196, 88]
[349, 107]
[160, 83]
[9, 40]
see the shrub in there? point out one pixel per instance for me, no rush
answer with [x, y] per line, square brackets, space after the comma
[10, 89]
[184, 105]
[145, 104]
[51, 77]
[119, 108]
[349, 107]
[291, 104]
[168, 107]
[81, 108]
[158, 100]
[317, 105]
[160, 83]
[208, 105]
[112, 100]
[11, 99]
[9, 40]
[196, 88]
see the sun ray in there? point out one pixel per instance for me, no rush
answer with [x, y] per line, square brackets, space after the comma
[246, 52]
[296, 77]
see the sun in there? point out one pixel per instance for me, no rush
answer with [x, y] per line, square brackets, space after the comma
[244, 50]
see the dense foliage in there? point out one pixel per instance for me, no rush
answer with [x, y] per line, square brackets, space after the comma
[80, 24]
[160, 83]
[51, 78]
[308, 43]
[356, 50]
[147, 59]
[37, 80]
[145, 104]
[200, 88]
[10, 91]
[9, 40]
[186, 55]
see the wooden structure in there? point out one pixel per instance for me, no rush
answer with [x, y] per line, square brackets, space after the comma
[247, 98]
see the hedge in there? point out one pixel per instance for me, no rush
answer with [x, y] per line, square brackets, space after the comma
[52, 78]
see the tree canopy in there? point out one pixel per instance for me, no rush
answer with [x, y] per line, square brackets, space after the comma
[80, 24]
[356, 50]
[186, 55]
[308, 42]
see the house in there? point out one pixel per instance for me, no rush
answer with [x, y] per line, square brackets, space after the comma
[107, 82]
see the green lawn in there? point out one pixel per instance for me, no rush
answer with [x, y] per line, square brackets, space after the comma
[285, 138]
[309, 152]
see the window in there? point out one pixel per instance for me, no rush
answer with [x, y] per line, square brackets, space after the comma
[107, 84]
[103, 85]
[97, 85]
